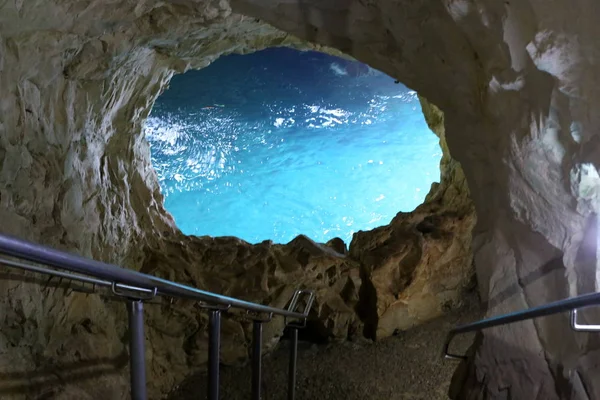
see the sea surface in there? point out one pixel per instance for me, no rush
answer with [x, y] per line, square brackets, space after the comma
[280, 142]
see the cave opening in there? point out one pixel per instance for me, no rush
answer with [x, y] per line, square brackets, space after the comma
[282, 142]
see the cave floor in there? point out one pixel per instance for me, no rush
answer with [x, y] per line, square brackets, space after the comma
[406, 366]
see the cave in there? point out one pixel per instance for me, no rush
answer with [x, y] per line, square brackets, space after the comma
[280, 142]
[509, 87]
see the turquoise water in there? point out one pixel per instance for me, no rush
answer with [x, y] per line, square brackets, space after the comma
[278, 143]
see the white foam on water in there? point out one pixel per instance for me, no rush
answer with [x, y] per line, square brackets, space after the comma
[338, 69]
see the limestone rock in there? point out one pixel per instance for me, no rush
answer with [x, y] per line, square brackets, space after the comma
[518, 84]
[91, 334]
[420, 264]
[77, 80]
[264, 273]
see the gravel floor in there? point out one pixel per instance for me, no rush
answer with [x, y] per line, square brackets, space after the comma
[407, 366]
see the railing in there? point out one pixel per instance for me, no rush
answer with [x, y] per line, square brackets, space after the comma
[570, 304]
[137, 287]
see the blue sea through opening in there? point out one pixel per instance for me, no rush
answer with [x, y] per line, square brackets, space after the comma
[280, 142]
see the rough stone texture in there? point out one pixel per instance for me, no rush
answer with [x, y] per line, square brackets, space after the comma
[264, 273]
[420, 264]
[518, 84]
[84, 335]
[77, 79]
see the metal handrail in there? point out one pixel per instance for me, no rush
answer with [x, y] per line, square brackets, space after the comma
[138, 287]
[81, 265]
[69, 276]
[570, 304]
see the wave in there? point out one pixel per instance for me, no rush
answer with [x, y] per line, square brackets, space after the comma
[338, 69]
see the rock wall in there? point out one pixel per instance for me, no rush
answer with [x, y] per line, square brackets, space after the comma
[77, 79]
[517, 81]
[419, 265]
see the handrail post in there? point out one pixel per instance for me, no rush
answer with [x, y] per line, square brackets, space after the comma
[137, 350]
[293, 360]
[214, 345]
[137, 340]
[257, 334]
[293, 329]
[577, 327]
